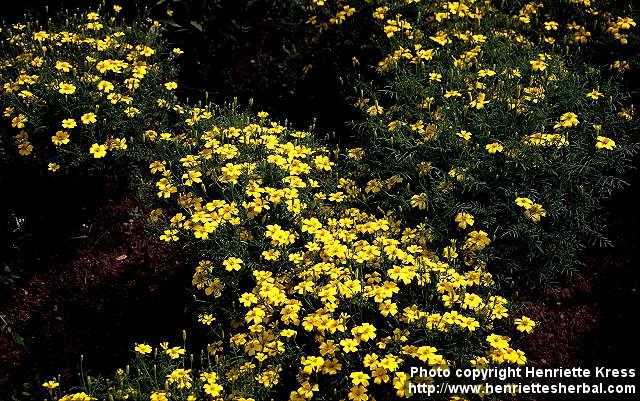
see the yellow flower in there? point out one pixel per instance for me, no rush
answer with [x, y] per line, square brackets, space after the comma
[143, 349]
[131, 111]
[169, 235]
[271, 254]
[53, 167]
[567, 120]
[206, 319]
[336, 197]
[494, 147]
[498, 342]
[98, 151]
[435, 76]
[69, 123]
[40, 36]
[175, 352]
[524, 202]
[477, 240]
[25, 149]
[464, 220]
[479, 102]
[50, 385]
[19, 121]
[374, 110]
[105, 86]
[323, 163]
[191, 177]
[349, 345]
[287, 333]
[158, 396]
[63, 66]
[450, 252]
[231, 264]
[535, 212]
[388, 308]
[605, 143]
[595, 94]
[364, 332]
[180, 378]
[400, 384]
[551, 26]
[171, 85]
[524, 324]
[117, 144]
[419, 201]
[212, 389]
[60, 138]
[359, 378]
[66, 88]
[147, 51]
[466, 135]
[538, 65]
[88, 118]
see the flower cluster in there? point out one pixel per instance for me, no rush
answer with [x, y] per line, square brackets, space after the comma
[322, 273]
[293, 259]
[305, 282]
[73, 94]
[475, 103]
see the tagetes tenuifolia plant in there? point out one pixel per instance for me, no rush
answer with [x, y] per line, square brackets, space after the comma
[305, 289]
[477, 108]
[82, 91]
[324, 274]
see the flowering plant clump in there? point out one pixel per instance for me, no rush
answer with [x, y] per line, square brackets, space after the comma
[477, 111]
[73, 93]
[322, 273]
[304, 289]
[307, 292]
[302, 283]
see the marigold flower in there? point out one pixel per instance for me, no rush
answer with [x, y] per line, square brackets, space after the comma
[143, 349]
[98, 151]
[88, 118]
[51, 384]
[66, 88]
[494, 147]
[69, 123]
[605, 143]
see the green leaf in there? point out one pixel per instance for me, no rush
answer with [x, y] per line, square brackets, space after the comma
[197, 25]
